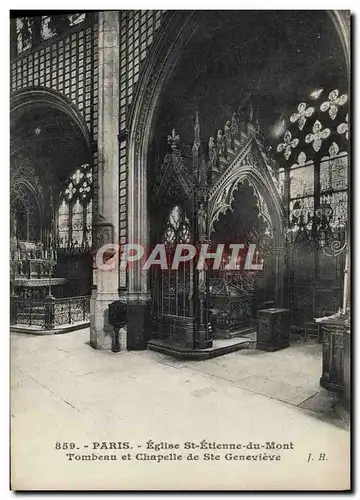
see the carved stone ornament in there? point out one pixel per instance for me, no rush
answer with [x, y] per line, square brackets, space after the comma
[103, 232]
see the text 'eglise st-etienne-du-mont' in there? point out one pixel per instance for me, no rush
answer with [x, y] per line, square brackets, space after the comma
[175, 451]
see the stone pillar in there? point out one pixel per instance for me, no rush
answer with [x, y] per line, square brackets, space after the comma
[106, 221]
[138, 296]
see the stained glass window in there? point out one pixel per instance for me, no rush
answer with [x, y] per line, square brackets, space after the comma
[332, 105]
[174, 218]
[177, 228]
[317, 178]
[338, 203]
[184, 234]
[301, 181]
[169, 238]
[333, 171]
[77, 223]
[63, 223]
[76, 19]
[317, 135]
[47, 30]
[24, 33]
[303, 112]
[75, 210]
[302, 207]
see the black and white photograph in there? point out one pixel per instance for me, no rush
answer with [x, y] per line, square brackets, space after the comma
[180, 272]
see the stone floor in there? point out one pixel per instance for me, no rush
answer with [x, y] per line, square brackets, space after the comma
[64, 391]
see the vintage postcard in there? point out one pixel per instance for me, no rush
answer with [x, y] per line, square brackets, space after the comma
[180, 250]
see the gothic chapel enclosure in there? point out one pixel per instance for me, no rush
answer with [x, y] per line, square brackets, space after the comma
[222, 106]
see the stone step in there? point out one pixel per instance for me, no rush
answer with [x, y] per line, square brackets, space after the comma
[219, 348]
[246, 332]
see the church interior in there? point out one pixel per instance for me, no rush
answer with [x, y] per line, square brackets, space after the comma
[184, 127]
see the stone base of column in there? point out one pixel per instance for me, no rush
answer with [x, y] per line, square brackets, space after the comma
[100, 329]
[138, 325]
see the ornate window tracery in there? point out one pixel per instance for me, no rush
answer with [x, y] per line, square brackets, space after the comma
[332, 105]
[317, 136]
[303, 112]
[75, 210]
[319, 176]
[288, 144]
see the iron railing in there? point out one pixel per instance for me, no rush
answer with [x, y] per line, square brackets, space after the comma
[50, 312]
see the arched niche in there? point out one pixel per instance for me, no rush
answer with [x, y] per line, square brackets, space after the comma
[242, 216]
[269, 202]
[49, 143]
[243, 209]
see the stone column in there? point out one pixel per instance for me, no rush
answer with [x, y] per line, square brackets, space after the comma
[106, 221]
[138, 296]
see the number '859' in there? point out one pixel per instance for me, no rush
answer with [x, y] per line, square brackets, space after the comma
[64, 446]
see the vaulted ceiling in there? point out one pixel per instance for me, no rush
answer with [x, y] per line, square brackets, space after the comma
[47, 142]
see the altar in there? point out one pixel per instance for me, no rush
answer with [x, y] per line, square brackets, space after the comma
[33, 270]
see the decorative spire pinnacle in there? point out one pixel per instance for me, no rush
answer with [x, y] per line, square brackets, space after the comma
[173, 139]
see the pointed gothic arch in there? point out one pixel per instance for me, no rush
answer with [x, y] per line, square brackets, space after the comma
[250, 167]
[24, 192]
